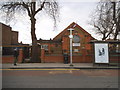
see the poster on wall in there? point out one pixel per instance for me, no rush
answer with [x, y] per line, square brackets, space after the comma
[101, 53]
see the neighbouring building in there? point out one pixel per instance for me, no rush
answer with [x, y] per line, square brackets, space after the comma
[9, 37]
[52, 50]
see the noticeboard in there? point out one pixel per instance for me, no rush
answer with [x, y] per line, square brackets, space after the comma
[101, 53]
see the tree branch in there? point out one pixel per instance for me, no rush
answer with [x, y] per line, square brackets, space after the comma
[99, 29]
[27, 8]
[42, 6]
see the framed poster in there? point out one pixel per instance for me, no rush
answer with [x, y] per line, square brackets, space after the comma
[101, 53]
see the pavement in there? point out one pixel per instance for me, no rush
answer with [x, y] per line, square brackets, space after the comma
[58, 65]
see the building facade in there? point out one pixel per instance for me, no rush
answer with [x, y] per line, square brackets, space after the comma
[9, 41]
[9, 37]
[53, 50]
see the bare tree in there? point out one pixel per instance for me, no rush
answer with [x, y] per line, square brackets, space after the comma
[32, 7]
[116, 18]
[103, 20]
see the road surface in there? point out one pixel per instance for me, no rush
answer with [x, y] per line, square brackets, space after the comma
[56, 78]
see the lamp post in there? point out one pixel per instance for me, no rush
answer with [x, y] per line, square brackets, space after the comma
[71, 37]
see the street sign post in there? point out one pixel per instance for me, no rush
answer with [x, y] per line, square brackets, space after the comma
[71, 37]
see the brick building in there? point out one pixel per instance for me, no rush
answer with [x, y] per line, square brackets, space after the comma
[52, 50]
[9, 41]
[9, 37]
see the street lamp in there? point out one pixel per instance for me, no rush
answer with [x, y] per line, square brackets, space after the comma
[71, 37]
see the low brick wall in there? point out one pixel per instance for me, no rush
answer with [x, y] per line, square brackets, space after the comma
[10, 58]
[78, 59]
[114, 58]
[53, 59]
[82, 59]
[60, 59]
[7, 59]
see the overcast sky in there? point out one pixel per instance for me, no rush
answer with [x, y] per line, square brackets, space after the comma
[78, 11]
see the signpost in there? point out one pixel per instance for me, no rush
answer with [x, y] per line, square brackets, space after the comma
[71, 37]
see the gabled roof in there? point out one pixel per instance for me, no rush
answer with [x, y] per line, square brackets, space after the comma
[72, 25]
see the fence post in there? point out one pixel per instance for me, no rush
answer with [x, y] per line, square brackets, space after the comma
[20, 57]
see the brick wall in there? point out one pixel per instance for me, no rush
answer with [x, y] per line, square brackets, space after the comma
[10, 58]
[78, 59]
[114, 58]
[14, 37]
[6, 35]
[53, 59]
[60, 59]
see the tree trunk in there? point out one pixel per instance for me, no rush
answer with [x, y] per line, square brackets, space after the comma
[116, 21]
[117, 29]
[35, 48]
[116, 34]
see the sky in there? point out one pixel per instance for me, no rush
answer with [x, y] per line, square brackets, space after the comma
[77, 11]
